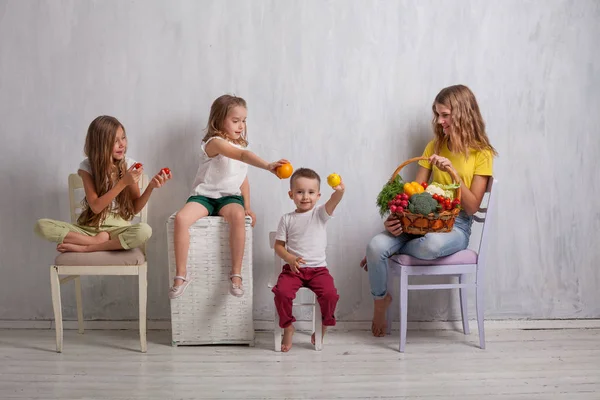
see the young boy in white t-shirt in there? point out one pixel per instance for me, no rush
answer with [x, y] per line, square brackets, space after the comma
[300, 241]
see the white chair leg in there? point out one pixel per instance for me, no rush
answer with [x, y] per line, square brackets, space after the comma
[479, 308]
[143, 296]
[403, 308]
[318, 326]
[276, 332]
[463, 304]
[388, 312]
[56, 305]
[79, 303]
[314, 313]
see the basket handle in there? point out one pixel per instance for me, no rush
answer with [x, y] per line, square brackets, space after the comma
[455, 177]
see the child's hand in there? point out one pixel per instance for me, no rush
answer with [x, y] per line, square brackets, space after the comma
[251, 214]
[132, 176]
[272, 167]
[160, 179]
[295, 263]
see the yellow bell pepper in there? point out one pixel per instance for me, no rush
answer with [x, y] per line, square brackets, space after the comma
[411, 188]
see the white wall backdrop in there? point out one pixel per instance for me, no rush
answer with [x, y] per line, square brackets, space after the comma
[342, 86]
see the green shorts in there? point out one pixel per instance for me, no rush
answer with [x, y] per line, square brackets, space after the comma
[214, 205]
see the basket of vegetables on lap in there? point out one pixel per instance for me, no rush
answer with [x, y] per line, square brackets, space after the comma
[421, 208]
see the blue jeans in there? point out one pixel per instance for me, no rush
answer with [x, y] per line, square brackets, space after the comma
[427, 247]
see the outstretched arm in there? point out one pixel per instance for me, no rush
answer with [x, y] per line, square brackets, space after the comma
[335, 198]
[216, 147]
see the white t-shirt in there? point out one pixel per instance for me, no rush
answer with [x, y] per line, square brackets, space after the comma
[219, 176]
[305, 235]
[87, 167]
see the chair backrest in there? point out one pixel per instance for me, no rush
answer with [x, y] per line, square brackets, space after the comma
[277, 261]
[485, 216]
[76, 195]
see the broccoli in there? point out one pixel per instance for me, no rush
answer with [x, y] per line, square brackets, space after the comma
[422, 203]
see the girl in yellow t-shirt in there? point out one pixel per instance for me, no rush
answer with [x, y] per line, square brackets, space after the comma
[460, 144]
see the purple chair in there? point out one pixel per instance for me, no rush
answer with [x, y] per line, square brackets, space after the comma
[460, 264]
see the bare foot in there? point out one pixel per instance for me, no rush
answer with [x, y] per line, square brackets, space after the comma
[312, 337]
[378, 326]
[286, 342]
[76, 248]
[363, 264]
[102, 237]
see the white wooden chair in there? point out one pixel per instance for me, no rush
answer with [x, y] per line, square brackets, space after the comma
[461, 264]
[123, 262]
[316, 309]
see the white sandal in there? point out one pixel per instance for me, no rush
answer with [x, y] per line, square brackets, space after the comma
[235, 289]
[176, 291]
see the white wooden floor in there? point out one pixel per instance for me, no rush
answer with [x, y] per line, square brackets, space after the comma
[518, 364]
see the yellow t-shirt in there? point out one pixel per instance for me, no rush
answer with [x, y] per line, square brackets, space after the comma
[478, 163]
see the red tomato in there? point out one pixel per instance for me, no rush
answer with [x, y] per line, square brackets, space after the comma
[435, 197]
[137, 165]
[166, 170]
[424, 184]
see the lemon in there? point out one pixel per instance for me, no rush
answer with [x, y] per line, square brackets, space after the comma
[333, 180]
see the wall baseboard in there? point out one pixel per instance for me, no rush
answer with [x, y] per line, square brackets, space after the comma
[262, 325]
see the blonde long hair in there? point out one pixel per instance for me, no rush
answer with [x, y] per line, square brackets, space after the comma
[218, 112]
[99, 144]
[468, 127]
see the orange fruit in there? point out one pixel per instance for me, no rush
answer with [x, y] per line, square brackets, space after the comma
[284, 171]
[333, 180]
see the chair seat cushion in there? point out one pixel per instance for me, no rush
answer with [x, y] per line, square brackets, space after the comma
[115, 257]
[462, 257]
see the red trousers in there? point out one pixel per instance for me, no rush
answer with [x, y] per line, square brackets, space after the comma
[319, 280]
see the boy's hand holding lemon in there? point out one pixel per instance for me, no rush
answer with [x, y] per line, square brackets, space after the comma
[335, 181]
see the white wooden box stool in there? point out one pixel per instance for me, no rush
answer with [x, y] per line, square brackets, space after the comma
[207, 313]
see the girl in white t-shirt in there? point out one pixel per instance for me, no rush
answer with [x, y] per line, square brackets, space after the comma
[220, 188]
[112, 195]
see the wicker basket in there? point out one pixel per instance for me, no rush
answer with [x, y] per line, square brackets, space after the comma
[207, 313]
[419, 224]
